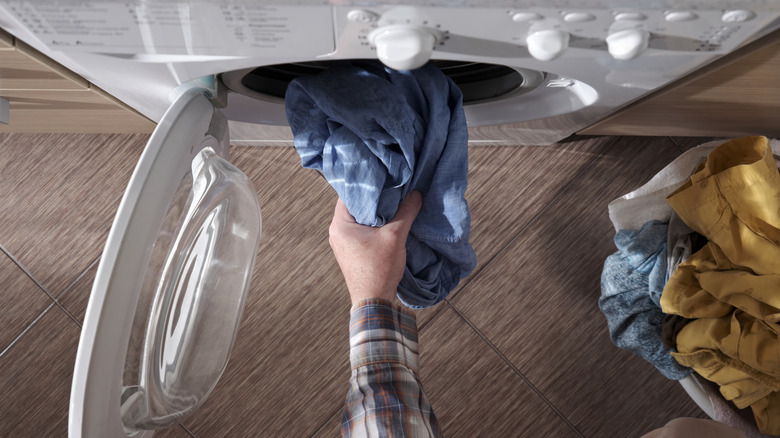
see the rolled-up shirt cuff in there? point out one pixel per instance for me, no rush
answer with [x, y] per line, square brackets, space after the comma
[382, 333]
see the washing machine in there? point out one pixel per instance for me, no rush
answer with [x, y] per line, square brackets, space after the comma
[169, 291]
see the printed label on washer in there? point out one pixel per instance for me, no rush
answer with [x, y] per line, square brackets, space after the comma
[198, 28]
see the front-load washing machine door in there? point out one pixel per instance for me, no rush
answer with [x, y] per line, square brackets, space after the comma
[169, 291]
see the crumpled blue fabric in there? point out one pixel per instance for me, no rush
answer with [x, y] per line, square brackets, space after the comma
[630, 282]
[646, 252]
[377, 134]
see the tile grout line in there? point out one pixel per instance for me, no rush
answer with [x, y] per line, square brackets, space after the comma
[73, 283]
[79, 277]
[321, 428]
[533, 220]
[434, 316]
[186, 429]
[518, 372]
[468, 281]
[26, 272]
[674, 142]
[26, 329]
[448, 302]
[40, 286]
[561, 192]
[476, 273]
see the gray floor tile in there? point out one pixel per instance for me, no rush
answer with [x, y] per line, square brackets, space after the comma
[76, 296]
[332, 428]
[60, 196]
[540, 230]
[537, 302]
[176, 431]
[509, 186]
[21, 301]
[474, 392]
[35, 378]
[289, 368]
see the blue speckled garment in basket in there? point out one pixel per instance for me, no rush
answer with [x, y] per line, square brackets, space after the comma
[631, 285]
[376, 135]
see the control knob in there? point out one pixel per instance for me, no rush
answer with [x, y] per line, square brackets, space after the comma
[404, 46]
[627, 43]
[547, 44]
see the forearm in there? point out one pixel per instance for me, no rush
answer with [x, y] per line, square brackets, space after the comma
[385, 396]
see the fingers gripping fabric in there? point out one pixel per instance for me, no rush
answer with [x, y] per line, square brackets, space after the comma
[376, 135]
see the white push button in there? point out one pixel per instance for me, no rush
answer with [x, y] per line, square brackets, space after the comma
[362, 16]
[627, 44]
[546, 45]
[630, 16]
[737, 16]
[403, 47]
[578, 17]
[677, 16]
[522, 17]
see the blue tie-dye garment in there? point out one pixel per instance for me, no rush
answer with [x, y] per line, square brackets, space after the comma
[377, 134]
[631, 285]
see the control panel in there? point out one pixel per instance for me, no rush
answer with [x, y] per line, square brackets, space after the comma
[405, 37]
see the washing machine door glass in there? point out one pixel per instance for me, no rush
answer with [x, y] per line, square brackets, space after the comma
[196, 279]
[170, 288]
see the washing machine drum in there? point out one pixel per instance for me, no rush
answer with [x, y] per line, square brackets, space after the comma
[478, 82]
[169, 291]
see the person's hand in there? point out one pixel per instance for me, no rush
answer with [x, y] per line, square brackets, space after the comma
[372, 259]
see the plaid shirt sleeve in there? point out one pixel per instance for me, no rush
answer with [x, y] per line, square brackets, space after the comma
[385, 397]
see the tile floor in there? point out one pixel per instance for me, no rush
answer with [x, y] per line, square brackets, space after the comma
[519, 349]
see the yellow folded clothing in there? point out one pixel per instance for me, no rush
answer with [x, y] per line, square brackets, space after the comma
[734, 201]
[732, 285]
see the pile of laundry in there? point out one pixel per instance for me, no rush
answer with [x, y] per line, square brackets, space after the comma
[695, 284]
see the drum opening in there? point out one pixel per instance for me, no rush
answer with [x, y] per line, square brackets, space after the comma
[477, 81]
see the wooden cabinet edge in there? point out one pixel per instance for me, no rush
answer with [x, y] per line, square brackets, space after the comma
[6, 40]
[142, 119]
[87, 112]
[50, 64]
[62, 103]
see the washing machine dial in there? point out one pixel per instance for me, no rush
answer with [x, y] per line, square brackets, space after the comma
[627, 43]
[404, 46]
[547, 44]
